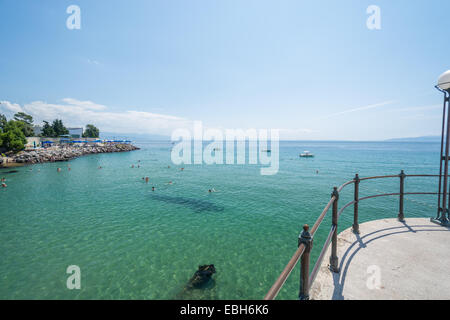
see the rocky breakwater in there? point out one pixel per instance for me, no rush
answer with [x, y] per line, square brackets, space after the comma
[65, 153]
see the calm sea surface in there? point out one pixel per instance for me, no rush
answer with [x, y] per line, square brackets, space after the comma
[132, 243]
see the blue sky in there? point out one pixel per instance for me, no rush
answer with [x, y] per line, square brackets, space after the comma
[310, 68]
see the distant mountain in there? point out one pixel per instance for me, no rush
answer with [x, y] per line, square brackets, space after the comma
[417, 139]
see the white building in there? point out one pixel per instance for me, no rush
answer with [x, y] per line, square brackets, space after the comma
[75, 132]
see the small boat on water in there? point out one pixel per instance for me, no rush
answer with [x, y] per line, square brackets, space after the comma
[306, 154]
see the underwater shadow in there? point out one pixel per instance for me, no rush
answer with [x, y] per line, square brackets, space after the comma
[194, 204]
[8, 172]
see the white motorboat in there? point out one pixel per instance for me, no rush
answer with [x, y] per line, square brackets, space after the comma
[306, 154]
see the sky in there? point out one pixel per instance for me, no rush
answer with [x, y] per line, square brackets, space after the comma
[312, 69]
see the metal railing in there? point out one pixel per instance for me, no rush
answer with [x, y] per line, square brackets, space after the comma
[305, 240]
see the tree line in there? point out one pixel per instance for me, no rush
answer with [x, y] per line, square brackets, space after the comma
[14, 133]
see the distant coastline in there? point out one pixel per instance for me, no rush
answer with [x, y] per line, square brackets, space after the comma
[417, 139]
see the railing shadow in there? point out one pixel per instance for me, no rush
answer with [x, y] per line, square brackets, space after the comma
[339, 278]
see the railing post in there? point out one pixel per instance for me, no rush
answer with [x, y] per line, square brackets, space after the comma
[355, 206]
[334, 261]
[305, 238]
[401, 215]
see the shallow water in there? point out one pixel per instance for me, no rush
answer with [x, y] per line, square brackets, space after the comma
[132, 243]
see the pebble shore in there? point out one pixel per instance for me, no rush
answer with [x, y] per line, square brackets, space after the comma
[65, 153]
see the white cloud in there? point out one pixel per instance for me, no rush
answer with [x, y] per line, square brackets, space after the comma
[9, 108]
[90, 61]
[431, 107]
[84, 104]
[79, 113]
[372, 106]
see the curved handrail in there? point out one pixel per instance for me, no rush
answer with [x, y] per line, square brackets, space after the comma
[273, 292]
[276, 287]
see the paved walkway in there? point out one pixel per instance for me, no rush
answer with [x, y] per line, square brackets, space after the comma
[388, 260]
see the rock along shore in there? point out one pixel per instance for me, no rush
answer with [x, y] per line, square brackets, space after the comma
[65, 153]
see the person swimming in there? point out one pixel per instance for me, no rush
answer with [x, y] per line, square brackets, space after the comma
[153, 188]
[59, 169]
[146, 179]
[4, 185]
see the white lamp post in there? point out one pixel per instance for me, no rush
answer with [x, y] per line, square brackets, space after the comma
[444, 81]
[443, 212]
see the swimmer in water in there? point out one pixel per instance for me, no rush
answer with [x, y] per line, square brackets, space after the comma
[182, 169]
[4, 185]
[146, 179]
[132, 165]
[153, 188]
[59, 169]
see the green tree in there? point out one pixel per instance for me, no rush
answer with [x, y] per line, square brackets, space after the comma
[27, 123]
[91, 131]
[3, 121]
[13, 137]
[22, 116]
[47, 130]
[58, 128]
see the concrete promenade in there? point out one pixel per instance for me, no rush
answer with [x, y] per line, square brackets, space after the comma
[388, 260]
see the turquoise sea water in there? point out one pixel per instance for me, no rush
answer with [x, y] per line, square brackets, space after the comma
[132, 243]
